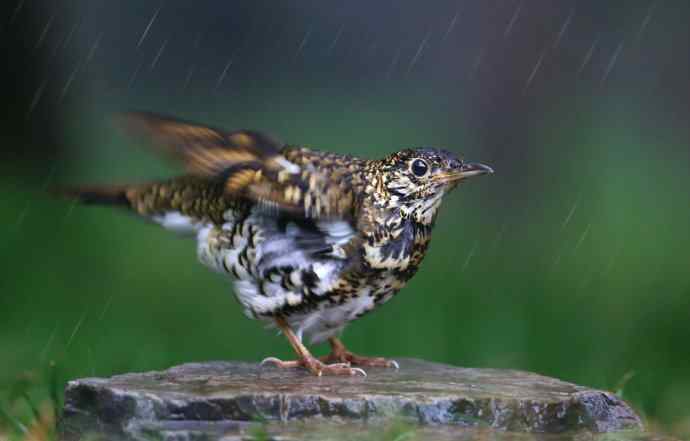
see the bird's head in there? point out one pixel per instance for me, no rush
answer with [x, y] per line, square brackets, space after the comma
[417, 179]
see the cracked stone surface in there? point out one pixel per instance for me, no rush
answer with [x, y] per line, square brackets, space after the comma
[226, 399]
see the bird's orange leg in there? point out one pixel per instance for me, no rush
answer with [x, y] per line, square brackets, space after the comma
[308, 361]
[340, 354]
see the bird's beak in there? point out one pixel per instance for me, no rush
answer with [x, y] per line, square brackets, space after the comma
[461, 172]
[470, 169]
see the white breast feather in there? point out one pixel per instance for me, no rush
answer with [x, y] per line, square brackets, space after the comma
[177, 222]
[282, 250]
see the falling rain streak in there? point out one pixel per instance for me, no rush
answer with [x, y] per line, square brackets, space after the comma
[223, 74]
[37, 96]
[135, 74]
[451, 26]
[188, 78]
[566, 221]
[94, 48]
[148, 27]
[513, 20]
[469, 257]
[535, 69]
[70, 80]
[417, 54]
[303, 43]
[646, 20]
[564, 28]
[612, 62]
[588, 56]
[157, 57]
[75, 331]
[16, 10]
[46, 28]
[394, 62]
[583, 236]
[335, 40]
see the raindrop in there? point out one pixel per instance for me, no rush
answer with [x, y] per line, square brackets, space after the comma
[588, 56]
[647, 19]
[94, 48]
[612, 261]
[22, 215]
[535, 69]
[148, 27]
[133, 77]
[451, 26]
[17, 8]
[223, 74]
[108, 303]
[188, 79]
[69, 81]
[76, 329]
[612, 62]
[513, 19]
[583, 236]
[46, 28]
[303, 43]
[158, 55]
[37, 96]
[564, 28]
[394, 62]
[477, 62]
[68, 38]
[469, 257]
[44, 351]
[335, 40]
[566, 221]
[417, 54]
[89, 352]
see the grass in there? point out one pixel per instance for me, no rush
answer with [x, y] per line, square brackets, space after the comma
[574, 266]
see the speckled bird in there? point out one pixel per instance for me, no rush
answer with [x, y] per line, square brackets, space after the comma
[313, 240]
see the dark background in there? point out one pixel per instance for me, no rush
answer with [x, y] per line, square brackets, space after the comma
[572, 260]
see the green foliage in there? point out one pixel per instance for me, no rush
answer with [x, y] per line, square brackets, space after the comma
[578, 270]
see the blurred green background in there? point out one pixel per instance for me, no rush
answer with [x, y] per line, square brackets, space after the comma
[573, 260]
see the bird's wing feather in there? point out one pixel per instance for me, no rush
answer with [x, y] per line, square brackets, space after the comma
[252, 165]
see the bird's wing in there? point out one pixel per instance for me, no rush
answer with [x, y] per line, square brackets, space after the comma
[253, 166]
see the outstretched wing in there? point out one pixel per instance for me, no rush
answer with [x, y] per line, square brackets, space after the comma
[253, 165]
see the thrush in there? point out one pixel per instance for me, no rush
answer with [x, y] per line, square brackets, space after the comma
[313, 240]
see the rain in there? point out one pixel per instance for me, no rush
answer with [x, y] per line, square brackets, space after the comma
[148, 27]
[337, 37]
[580, 107]
[612, 61]
[417, 54]
[588, 56]
[157, 57]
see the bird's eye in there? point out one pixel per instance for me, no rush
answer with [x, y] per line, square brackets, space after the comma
[419, 167]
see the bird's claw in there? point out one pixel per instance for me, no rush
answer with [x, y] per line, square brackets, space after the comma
[269, 360]
[315, 366]
[359, 371]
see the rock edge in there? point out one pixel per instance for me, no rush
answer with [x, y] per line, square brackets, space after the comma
[222, 397]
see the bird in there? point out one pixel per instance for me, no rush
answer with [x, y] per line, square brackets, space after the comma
[312, 240]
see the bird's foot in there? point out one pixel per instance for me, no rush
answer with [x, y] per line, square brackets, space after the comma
[349, 358]
[316, 366]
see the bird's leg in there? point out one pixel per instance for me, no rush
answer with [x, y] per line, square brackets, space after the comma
[340, 354]
[306, 360]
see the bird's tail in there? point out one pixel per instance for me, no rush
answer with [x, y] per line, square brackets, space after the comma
[119, 196]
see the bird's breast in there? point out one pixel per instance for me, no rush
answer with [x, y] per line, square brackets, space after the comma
[398, 249]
